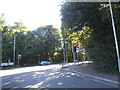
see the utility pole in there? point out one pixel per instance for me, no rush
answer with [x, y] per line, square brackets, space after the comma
[62, 28]
[14, 51]
[115, 37]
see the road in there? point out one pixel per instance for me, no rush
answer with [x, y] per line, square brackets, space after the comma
[49, 76]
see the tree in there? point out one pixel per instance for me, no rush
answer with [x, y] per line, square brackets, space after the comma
[8, 33]
[2, 23]
[100, 44]
[34, 46]
[48, 39]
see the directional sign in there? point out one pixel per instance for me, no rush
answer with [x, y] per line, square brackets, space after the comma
[19, 56]
[77, 50]
[83, 50]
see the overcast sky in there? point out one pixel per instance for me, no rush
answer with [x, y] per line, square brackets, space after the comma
[33, 13]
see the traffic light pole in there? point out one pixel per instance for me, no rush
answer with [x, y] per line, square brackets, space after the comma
[84, 61]
[74, 56]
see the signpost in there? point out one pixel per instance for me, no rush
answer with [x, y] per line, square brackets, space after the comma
[84, 50]
[9, 62]
[19, 57]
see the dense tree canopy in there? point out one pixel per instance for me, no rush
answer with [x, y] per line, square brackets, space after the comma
[90, 24]
[44, 43]
[87, 24]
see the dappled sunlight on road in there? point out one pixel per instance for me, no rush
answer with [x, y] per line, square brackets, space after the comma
[60, 83]
[28, 69]
[6, 83]
[39, 76]
[52, 77]
[19, 80]
[36, 68]
[49, 79]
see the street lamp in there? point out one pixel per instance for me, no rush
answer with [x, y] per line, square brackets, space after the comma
[14, 50]
[62, 28]
[115, 37]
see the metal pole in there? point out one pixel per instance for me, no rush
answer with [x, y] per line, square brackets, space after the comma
[18, 63]
[14, 51]
[74, 59]
[62, 28]
[64, 53]
[74, 56]
[115, 37]
[84, 61]
[65, 46]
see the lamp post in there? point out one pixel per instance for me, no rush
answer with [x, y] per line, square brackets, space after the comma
[115, 37]
[62, 28]
[14, 51]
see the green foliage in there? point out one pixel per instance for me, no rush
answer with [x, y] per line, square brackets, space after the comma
[89, 25]
[34, 46]
[46, 41]
[2, 22]
[7, 40]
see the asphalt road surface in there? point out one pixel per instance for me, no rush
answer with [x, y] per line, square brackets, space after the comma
[49, 76]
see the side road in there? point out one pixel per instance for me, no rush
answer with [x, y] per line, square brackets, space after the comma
[113, 80]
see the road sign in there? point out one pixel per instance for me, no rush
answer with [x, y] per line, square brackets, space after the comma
[19, 56]
[78, 50]
[84, 50]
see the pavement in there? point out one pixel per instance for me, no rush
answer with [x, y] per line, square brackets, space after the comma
[113, 80]
[48, 76]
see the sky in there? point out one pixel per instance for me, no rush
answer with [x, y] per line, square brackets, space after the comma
[33, 13]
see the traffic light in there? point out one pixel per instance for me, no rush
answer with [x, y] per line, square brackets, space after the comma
[74, 47]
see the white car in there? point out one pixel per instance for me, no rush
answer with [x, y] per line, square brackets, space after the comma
[7, 64]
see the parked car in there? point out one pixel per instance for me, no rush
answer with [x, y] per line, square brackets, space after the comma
[44, 63]
[7, 64]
